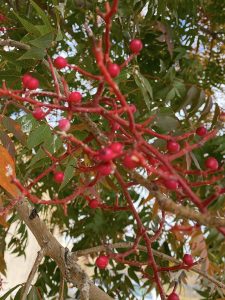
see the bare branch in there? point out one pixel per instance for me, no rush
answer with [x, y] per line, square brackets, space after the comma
[144, 249]
[33, 271]
[61, 288]
[65, 260]
[188, 213]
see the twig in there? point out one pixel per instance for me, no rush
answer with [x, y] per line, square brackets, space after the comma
[33, 271]
[187, 213]
[144, 249]
[61, 288]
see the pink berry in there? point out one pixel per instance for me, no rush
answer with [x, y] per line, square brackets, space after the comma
[171, 184]
[211, 163]
[106, 154]
[188, 260]
[105, 169]
[173, 147]
[173, 296]
[102, 261]
[60, 62]
[136, 46]
[131, 161]
[117, 148]
[58, 177]
[32, 83]
[94, 204]
[133, 108]
[201, 131]
[25, 79]
[75, 97]
[38, 113]
[114, 70]
[64, 124]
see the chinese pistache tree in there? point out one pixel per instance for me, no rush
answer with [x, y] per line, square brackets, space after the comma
[111, 134]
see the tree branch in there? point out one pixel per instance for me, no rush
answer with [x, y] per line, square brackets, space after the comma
[144, 249]
[62, 256]
[32, 273]
[187, 213]
[61, 288]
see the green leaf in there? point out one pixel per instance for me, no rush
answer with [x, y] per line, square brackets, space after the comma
[33, 53]
[5, 296]
[38, 156]
[69, 172]
[9, 76]
[42, 14]
[52, 145]
[197, 103]
[207, 108]
[145, 88]
[215, 116]
[191, 98]
[44, 41]
[28, 123]
[28, 26]
[166, 120]
[38, 136]
[33, 295]
[133, 275]
[171, 95]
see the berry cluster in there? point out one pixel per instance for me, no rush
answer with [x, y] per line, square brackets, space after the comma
[122, 151]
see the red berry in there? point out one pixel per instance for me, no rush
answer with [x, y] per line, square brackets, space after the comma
[32, 83]
[117, 148]
[2, 18]
[60, 62]
[102, 261]
[173, 296]
[211, 163]
[188, 260]
[106, 154]
[38, 113]
[25, 79]
[131, 161]
[75, 97]
[64, 124]
[136, 46]
[58, 177]
[114, 70]
[105, 169]
[133, 108]
[173, 147]
[94, 203]
[201, 131]
[171, 184]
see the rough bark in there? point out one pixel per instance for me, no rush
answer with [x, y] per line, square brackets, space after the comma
[65, 260]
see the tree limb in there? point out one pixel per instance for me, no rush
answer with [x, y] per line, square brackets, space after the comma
[144, 249]
[61, 288]
[188, 213]
[62, 256]
[32, 273]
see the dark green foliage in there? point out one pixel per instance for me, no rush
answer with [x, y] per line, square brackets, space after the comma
[173, 78]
